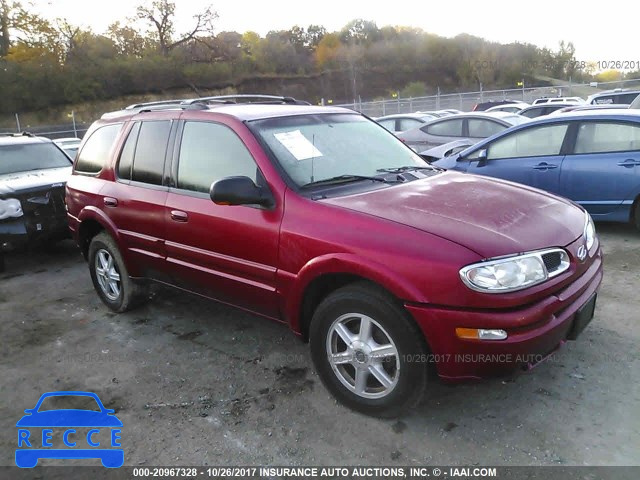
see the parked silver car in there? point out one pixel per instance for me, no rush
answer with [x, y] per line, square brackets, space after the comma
[404, 121]
[474, 126]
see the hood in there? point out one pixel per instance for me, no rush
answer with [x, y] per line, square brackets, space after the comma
[33, 180]
[490, 217]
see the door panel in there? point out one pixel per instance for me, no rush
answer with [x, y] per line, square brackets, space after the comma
[139, 215]
[226, 252]
[531, 156]
[539, 172]
[603, 173]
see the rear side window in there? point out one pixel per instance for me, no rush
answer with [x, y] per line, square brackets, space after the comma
[389, 124]
[605, 100]
[408, 124]
[95, 152]
[479, 128]
[607, 137]
[532, 142]
[210, 152]
[446, 128]
[531, 112]
[627, 98]
[148, 160]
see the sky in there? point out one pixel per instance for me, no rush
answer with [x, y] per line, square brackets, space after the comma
[541, 22]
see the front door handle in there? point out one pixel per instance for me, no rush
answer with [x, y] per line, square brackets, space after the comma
[545, 166]
[179, 216]
[629, 163]
[110, 202]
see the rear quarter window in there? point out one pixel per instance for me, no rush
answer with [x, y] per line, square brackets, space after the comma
[446, 128]
[97, 149]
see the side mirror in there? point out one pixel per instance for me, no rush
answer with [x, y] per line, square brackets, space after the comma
[238, 191]
[482, 158]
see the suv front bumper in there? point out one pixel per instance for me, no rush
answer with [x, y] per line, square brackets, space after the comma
[547, 325]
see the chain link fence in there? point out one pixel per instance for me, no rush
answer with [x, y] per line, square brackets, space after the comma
[465, 101]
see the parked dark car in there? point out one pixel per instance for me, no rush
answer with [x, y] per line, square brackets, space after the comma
[482, 106]
[318, 218]
[33, 172]
[472, 127]
[591, 157]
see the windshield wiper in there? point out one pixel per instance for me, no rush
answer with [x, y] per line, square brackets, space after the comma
[407, 168]
[346, 179]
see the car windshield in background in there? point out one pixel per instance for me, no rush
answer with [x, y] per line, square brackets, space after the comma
[313, 148]
[31, 156]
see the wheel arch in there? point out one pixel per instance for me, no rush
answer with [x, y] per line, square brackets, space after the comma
[322, 276]
[93, 221]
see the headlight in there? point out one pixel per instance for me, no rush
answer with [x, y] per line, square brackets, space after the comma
[589, 232]
[10, 208]
[515, 273]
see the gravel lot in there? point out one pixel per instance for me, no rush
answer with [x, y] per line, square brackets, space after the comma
[197, 383]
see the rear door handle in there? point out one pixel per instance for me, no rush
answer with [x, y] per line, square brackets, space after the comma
[179, 216]
[545, 166]
[110, 202]
[629, 162]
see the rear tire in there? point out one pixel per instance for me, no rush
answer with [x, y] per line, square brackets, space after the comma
[110, 276]
[636, 214]
[377, 351]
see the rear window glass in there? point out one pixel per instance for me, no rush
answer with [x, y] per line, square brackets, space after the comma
[31, 156]
[148, 162]
[97, 148]
[607, 137]
[446, 128]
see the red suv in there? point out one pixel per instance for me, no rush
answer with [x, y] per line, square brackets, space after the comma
[319, 218]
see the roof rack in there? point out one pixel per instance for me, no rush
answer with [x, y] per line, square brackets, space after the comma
[218, 99]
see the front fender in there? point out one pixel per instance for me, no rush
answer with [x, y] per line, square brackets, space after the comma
[293, 286]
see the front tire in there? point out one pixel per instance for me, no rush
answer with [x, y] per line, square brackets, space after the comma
[110, 277]
[367, 351]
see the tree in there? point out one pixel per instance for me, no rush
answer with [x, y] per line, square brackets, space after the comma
[127, 40]
[25, 26]
[160, 15]
[315, 33]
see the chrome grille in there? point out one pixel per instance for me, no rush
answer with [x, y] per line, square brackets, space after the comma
[555, 261]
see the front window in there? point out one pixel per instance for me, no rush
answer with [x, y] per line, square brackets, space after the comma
[312, 148]
[532, 142]
[31, 156]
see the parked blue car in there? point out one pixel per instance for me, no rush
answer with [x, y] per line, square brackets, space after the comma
[590, 157]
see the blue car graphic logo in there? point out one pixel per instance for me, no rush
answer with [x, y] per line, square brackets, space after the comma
[60, 425]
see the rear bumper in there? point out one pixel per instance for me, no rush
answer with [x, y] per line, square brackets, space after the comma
[547, 325]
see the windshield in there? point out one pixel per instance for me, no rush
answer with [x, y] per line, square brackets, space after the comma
[31, 156]
[312, 148]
